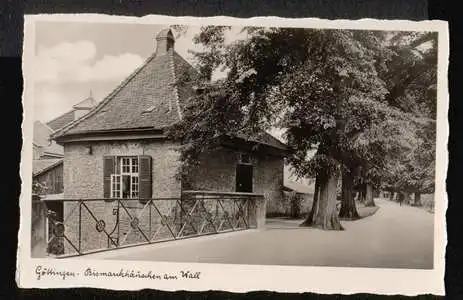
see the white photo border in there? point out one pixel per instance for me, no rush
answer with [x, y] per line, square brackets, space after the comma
[239, 278]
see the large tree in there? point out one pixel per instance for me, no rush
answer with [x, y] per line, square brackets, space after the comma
[411, 77]
[322, 86]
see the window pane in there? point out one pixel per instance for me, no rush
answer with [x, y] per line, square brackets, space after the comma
[126, 186]
[135, 165]
[134, 186]
[125, 165]
[115, 182]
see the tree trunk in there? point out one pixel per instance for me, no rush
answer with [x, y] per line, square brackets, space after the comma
[400, 197]
[391, 196]
[295, 204]
[418, 199]
[308, 221]
[407, 198]
[348, 207]
[324, 214]
[361, 197]
[369, 201]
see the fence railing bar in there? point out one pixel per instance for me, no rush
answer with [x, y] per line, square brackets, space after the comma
[138, 225]
[165, 219]
[226, 216]
[211, 196]
[96, 220]
[211, 221]
[71, 243]
[156, 232]
[196, 209]
[80, 226]
[236, 194]
[71, 212]
[241, 213]
[130, 217]
[188, 217]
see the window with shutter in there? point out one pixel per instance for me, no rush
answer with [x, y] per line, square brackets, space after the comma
[108, 171]
[127, 177]
[145, 177]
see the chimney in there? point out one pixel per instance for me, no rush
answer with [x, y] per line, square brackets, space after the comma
[164, 41]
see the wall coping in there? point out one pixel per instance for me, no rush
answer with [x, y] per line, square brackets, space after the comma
[214, 193]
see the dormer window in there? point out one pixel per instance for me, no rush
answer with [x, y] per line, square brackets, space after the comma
[149, 109]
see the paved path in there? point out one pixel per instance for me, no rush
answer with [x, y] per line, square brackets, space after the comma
[395, 237]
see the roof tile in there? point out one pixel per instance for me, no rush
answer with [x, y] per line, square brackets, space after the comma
[41, 165]
[148, 99]
[62, 120]
[152, 97]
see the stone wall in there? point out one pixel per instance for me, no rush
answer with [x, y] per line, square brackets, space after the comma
[269, 180]
[83, 179]
[83, 172]
[285, 208]
[38, 229]
[53, 180]
[217, 172]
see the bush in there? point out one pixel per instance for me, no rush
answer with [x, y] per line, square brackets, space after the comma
[428, 201]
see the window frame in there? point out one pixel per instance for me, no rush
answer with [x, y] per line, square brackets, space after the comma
[126, 165]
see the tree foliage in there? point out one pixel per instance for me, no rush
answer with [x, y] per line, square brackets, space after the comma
[412, 81]
[365, 100]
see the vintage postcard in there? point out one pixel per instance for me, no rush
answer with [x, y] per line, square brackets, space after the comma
[182, 153]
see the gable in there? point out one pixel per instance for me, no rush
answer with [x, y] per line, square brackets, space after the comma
[152, 98]
[149, 98]
[42, 134]
[61, 121]
[185, 75]
[85, 104]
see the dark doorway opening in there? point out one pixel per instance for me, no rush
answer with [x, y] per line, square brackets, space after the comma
[244, 178]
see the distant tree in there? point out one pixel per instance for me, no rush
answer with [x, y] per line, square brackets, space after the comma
[39, 188]
[411, 78]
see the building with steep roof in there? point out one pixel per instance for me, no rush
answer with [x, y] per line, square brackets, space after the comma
[119, 149]
[47, 154]
[44, 147]
[77, 111]
[49, 174]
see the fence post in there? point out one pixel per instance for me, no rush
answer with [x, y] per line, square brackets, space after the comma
[38, 228]
[80, 227]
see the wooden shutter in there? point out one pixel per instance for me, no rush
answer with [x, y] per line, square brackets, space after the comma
[108, 170]
[144, 169]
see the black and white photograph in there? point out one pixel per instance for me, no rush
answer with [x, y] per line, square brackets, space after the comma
[228, 144]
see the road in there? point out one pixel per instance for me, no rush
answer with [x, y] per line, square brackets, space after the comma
[395, 237]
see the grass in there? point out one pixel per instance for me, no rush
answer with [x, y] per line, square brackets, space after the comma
[363, 211]
[428, 202]
[366, 211]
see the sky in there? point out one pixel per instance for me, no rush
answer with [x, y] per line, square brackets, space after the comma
[76, 59]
